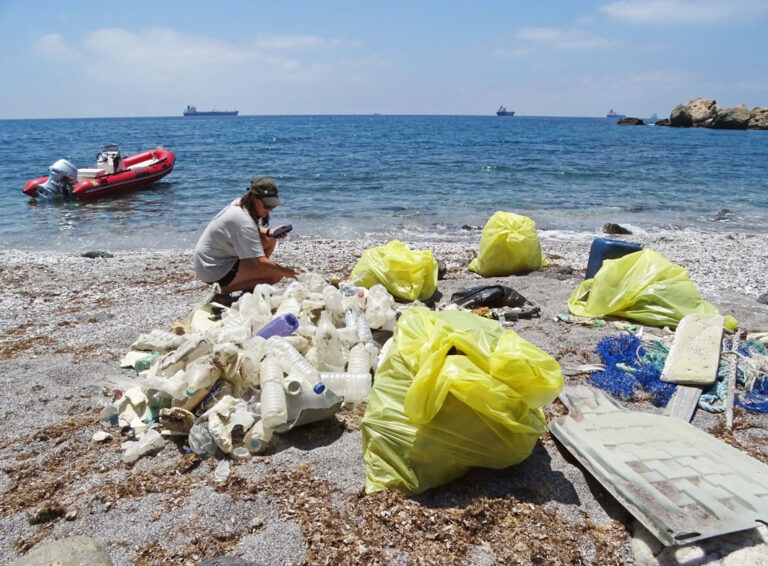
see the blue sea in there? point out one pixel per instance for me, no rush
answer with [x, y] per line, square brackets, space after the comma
[376, 176]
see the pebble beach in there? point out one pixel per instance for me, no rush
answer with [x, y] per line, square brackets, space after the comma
[68, 319]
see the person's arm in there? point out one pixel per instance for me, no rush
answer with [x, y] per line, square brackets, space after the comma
[270, 268]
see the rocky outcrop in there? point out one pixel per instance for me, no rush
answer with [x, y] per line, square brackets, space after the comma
[680, 117]
[733, 118]
[758, 119]
[631, 122]
[705, 113]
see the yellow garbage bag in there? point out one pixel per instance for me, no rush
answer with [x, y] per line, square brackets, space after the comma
[454, 391]
[643, 286]
[509, 244]
[407, 274]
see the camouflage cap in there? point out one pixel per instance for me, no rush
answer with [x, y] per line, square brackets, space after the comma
[266, 189]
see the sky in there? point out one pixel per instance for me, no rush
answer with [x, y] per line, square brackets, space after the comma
[539, 58]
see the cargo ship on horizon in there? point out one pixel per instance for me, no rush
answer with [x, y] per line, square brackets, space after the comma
[192, 111]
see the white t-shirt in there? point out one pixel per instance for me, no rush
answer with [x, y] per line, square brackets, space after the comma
[230, 236]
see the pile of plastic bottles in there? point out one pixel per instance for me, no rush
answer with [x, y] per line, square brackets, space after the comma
[279, 357]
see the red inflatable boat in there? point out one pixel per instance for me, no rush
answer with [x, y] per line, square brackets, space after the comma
[112, 174]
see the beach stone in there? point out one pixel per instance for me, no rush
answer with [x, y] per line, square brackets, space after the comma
[631, 122]
[680, 117]
[70, 551]
[758, 119]
[95, 253]
[732, 118]
[611, 228]
[763, 299]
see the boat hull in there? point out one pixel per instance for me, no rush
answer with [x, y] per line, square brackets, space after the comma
[213, 113]
[121, 181]
[508, 113]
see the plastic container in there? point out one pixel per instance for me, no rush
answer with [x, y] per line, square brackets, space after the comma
[273, 408]
[380, 310]
[200, 440]
[359, 359]
[152, 441]
[329, 349]
[354, 387]
[291, 360]
[604, 248]
[332, 298]
[289, 305]
[283, 325]
[257, 438]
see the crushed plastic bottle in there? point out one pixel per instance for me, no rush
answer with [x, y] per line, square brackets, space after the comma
[329, 349]
[221, 473]
[380, 308]
[151, 442]
[200, 439]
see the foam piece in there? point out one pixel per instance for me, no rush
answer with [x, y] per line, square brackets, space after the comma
[695, 353]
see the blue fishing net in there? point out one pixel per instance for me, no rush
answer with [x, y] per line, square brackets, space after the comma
[629, 367]
[756, 400]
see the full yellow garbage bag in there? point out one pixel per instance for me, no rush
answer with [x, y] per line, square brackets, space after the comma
[509, 244]
[407, 274]
[643, 286]
[455, 391]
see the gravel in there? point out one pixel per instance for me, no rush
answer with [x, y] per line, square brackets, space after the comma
[68, 320]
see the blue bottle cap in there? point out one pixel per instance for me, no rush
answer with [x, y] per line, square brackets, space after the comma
[319, 387]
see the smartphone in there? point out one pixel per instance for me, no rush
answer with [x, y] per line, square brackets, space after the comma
[282, 230]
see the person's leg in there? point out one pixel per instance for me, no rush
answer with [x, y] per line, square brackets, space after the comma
[248, 276]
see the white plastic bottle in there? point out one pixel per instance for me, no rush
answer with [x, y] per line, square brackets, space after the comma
[354, 387]
[273, 409]
[257, 438]
[380, 309]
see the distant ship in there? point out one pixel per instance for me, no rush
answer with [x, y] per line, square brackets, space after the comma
[502, 111]
[653, 118]
[613, 114]
[192, 111]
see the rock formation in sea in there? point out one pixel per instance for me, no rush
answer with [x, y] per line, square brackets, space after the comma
[705, 113]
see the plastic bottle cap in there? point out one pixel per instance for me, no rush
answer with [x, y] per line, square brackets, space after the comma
[319, 387]
[361, 293]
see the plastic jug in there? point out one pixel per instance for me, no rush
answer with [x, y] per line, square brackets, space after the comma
[604, 248]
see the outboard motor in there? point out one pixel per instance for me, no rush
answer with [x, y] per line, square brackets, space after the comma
[109, 159]
[62, 176]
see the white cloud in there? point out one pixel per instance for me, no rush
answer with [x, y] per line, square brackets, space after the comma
[52, 46]
[682, 11]
[162, 55]
[567, 40]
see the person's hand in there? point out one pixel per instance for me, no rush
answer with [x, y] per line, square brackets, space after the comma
[272, 231]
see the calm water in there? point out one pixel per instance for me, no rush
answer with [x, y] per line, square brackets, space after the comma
[387, 176]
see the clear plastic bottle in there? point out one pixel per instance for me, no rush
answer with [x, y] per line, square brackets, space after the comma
[363, 330]
[354, 387]
[359, 359]
[200, 439]
[353, 297]
[332, 298]
[273, 409]
[289, 305]
[152, 441]
[331, 354]
[291, 360]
